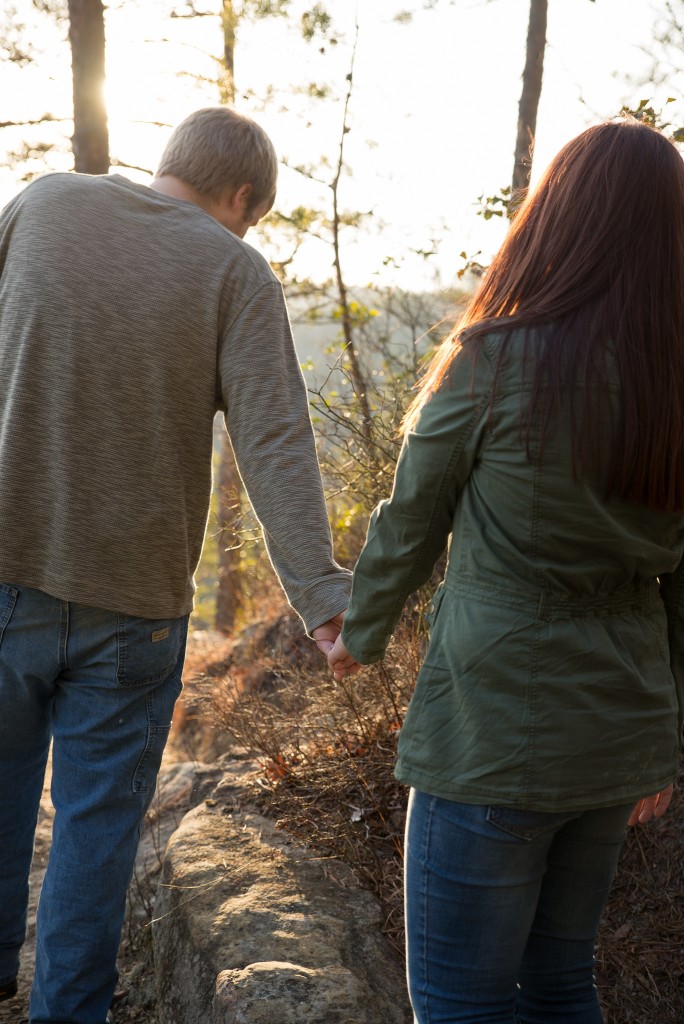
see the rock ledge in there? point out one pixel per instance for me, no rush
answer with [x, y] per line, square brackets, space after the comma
[251, 928]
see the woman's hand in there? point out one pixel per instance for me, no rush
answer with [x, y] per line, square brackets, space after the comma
[651, 806]
[327, 633]
[341, 661]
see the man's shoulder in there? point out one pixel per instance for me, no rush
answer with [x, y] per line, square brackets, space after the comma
[233, 253]
[39, 193]
[261, 267]
[57, 181]
[218, 245]
[55, 186]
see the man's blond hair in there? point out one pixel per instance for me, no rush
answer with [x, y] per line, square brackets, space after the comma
[215, 149]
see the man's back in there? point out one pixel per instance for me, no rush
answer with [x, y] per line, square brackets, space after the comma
[113, 302]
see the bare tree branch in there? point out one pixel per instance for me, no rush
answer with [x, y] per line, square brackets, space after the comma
[45, 119]
[359, 384]
[115, 162]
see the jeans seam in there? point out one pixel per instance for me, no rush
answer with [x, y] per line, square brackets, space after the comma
[424, 909]
[120, 647]
[138, 780]
[63, 636]
[8, 610]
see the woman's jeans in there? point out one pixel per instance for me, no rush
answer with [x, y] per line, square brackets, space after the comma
[103, 687]
[502, 910]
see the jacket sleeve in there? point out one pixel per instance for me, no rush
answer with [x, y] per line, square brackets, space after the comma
[267, 417]
[409, 531]
[672, 593]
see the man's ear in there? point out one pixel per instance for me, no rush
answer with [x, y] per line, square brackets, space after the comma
[240, 199]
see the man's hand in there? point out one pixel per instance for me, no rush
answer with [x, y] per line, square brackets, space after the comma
[651, 806]
[341, 661]
[327, 633]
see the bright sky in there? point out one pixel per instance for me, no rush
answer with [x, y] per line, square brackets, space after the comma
[433, 111]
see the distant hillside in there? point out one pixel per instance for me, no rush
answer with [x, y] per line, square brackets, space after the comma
[401, 320]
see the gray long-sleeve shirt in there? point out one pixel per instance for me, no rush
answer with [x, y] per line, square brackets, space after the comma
[127, 318]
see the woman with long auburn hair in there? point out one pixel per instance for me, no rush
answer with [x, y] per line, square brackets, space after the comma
[546, 448]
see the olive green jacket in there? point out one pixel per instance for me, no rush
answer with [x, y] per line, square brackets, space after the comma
[550, 681]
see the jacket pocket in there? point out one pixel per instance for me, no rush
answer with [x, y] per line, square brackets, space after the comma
[526, 825]
[148, 649]
[8, 599]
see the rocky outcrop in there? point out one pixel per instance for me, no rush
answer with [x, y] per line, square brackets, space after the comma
[251, 928]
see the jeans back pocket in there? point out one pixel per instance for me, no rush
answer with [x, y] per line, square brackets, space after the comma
[527, 825]
[148, 649]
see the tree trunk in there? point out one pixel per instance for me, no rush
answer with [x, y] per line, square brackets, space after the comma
[228, 24]
[87, 38]
[529, 98]
[229, 582]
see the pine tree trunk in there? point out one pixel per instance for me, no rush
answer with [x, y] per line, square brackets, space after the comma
[87, 38]
[228, 24]
[529, 98]
[229, 582]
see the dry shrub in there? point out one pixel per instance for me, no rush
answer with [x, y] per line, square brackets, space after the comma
[327, 752]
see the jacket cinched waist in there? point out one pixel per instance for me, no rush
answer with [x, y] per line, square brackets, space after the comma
[547, 605]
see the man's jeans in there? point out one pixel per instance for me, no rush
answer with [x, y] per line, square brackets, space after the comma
[502, 910]
[103, 686]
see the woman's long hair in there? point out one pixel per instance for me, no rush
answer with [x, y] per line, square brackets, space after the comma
[596, 252]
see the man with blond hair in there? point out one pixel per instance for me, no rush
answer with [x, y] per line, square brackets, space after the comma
[129, 314]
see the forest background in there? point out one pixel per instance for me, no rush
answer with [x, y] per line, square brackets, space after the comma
[407, 131]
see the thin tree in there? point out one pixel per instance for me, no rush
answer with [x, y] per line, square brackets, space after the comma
[529, 98]
[90, 140]
[529, 101]
[229, 589]
[357, 375]
[229, 581]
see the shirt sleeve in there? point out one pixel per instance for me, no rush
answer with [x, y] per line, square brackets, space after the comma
[672, 593]
[409, 531]
[267, 417]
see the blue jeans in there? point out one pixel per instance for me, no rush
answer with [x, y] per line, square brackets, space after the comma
[502, 910]
[102, 686]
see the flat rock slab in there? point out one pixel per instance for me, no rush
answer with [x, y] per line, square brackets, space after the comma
[251, 928]
[289, 994]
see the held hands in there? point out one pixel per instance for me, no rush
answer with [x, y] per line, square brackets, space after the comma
[327, 637]
[327, 633]
[341, 661]
[651, 806]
